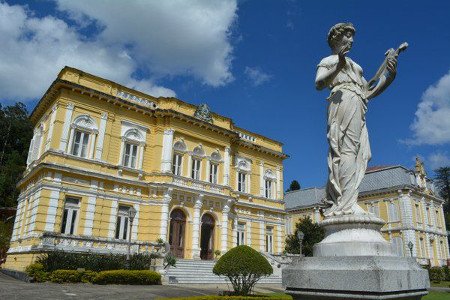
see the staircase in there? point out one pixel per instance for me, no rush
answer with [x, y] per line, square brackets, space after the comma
[200, 272]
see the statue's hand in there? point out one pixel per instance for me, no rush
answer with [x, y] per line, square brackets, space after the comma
[392, 66]
[341, 55]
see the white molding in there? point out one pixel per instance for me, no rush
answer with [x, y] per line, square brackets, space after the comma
[112, 219]
[167, 150]
[101, 136]
[51, 211]
[50, 128]
[196, 227]
[66, 127]
[90, 213]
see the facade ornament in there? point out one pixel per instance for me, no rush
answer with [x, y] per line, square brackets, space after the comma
[203, 113]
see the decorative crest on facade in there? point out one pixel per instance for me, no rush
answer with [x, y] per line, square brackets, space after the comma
[203, 113]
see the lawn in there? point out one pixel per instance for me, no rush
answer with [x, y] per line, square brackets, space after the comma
[445, 284]
[437, 296]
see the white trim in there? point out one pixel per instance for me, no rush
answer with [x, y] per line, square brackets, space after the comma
[90, 213]
[165, 214]
[66, 127]
[196, 227]
[101, 136]
[167, 150]
[112, 219]
[226, 167]
[51, 211]
[134, 230]
[50, 128]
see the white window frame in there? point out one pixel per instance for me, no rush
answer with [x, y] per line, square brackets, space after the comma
[241, 232]
[135, 134]
[213, 172]
[69, 221]
[177, 164]
[268, 188]
[242, 182]
[397, 243]
[196, 168]
[393, 212]
[130, 158]
[87, 127]
[269, 239]
[374, 208]
[123, 223]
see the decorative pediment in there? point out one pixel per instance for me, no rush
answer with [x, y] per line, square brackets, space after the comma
[85, 122]
[243, 164]
[203, 113]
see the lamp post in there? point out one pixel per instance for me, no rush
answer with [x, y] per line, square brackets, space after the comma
[410, 246]
[131, 215]
[300, 236]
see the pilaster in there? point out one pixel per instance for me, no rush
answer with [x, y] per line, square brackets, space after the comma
[224, 228]
[196, 227]
[101, 136]
[166, 156]
[50, 128]
[226, 167]
[66, 127]
[165, 214]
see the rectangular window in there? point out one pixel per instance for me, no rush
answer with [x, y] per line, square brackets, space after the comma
[240, 234]
[129, 156]
[429, 216]
[418, 215]
[176, 164]
[397, 243]
[122, 223]
[241, 182]
[70, 214]
[269, 239]
[195, 169]
[373, 208]
[213, 173]
[268, 188]
[393, 212]
[80, 143]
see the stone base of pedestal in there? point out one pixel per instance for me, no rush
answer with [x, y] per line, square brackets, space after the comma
[355, 277]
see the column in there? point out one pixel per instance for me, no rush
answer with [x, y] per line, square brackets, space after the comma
[141, 155]
[90, 209]
[112, 218]
[50, 128]
[261, 179]
[166, 156]
[249, 233]
[279, 184]
[235, 224]
[66, 127]
[101, 136]
[196, 227]
[51, 211]
[208, 166]
[224, 228]
[226, 167]
[261, 231]
[406, 211]
[165, 214]
[134, 230]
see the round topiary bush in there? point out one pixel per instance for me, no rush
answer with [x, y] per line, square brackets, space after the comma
[243, 266]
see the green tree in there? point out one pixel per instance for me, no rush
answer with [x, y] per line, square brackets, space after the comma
[313, 234]
[294, 186]
[17, 132]
[243, 266]
[442, 182]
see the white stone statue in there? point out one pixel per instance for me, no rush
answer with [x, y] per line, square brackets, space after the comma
[349, 150]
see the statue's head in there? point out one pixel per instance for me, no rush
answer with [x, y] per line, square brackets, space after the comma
[341, 35]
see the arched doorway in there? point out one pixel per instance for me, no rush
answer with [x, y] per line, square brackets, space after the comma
[207, 238]
[176, 232]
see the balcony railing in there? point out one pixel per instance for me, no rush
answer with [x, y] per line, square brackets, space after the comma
[198, 185]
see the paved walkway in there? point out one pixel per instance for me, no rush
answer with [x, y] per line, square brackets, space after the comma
[13, 289]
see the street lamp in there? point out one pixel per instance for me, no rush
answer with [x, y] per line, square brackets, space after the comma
[300, 236]
[131, 215]
[410, 246]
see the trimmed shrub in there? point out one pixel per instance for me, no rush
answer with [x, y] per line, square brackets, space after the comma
[446, 273]
[88, 276]
[142, 277]
[437, 274]
[62, 276]
[37, 272]
[243, 266]
[60, 260]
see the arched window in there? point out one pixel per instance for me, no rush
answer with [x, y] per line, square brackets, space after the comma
[197, 156]
[83, 132]
[269, 184]
[214, 162]
[177, 162]
[133, 141]
[243, 168]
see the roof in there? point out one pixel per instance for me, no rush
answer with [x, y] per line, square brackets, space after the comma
[376, 178]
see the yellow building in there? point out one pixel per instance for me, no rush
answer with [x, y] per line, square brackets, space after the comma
[405, 199]
[194, 178]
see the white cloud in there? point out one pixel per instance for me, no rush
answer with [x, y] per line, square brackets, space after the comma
[438, 159]
[33, 50]
[432, 122]
[174, 37]
[256, 75]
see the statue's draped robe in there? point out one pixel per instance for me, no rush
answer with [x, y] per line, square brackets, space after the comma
[349, 150]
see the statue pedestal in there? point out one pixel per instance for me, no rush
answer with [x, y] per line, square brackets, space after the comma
[354, 261]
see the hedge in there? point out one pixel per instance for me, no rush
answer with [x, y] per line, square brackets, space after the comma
[140, 277]
[62, 276]
[253, 297]
[437, 274]
[61, 260]
[37, 272]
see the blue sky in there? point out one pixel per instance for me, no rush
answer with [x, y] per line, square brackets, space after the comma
[253, 61]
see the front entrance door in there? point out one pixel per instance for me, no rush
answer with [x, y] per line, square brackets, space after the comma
[207, 238]
[176, 232]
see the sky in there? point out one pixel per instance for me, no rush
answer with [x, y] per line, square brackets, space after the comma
[253, 61]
